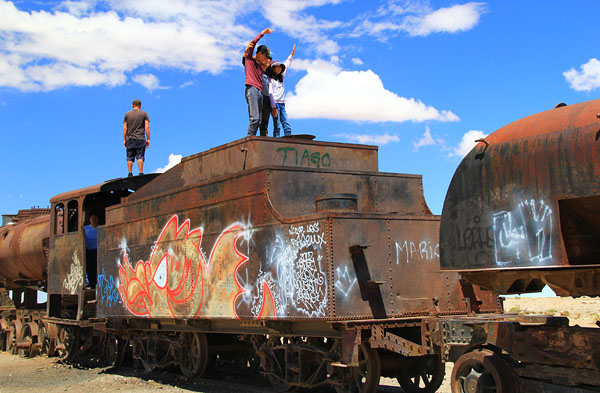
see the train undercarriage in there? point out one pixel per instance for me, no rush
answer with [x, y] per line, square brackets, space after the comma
[491, 352]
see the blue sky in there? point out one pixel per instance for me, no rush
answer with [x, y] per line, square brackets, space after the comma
[420, 79]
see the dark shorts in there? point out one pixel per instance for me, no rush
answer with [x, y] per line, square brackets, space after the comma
[136, 148]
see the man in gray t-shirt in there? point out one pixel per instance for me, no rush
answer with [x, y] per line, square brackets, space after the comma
[135, 123]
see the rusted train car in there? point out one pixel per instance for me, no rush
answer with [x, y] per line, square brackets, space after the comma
[523, 211]
[23, 270]
[295, 253]
[299, 251]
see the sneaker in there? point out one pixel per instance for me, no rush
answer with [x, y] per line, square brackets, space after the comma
[141, 173]
[130, 174]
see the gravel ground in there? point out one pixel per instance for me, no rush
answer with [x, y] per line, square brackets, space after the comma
[20, 375]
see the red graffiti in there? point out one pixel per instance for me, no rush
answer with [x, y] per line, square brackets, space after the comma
[174, 281]
[171, 280]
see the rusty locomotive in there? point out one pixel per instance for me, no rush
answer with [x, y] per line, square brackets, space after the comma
[301, 256]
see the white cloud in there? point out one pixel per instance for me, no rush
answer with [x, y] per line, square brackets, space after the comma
[104, 42]
[82, 44]
[376, 139]
[467, 143]
[356, 96]
[186, 84]
[447, 20]
[428, 140]
[418, 19]
[174, 159]
[317, 65]
[587, 79]
[149, 81]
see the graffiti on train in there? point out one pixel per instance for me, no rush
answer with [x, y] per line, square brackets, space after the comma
[292, 281]
[293, 156]
[108, 289]
[172, 282]
[74, 279]
[523, 234]
[345, 280]
[416, 251]
[180, 280]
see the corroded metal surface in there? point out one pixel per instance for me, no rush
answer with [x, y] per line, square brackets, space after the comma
[546, 349]
[528, 200]
[23, 250]
[209, 239]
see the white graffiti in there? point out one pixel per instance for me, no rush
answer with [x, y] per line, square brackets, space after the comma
[410, 251]
[307, 236]
[524, 234]
[292, 275]
[309, 283]
[344, 282]
[75, 277]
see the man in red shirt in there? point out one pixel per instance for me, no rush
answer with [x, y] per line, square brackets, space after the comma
[254, 67]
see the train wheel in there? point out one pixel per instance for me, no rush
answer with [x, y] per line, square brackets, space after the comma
[28, 337]
[277, 377]
[68, 341]
[114, 350]
[44, 340]
[3, 333]
[482, 371]
[365, 377]
[51, 333]
[11, 340]
[194, 354]
[14, 331]
[424, 378]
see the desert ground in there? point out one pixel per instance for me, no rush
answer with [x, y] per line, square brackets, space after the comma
[41, 374]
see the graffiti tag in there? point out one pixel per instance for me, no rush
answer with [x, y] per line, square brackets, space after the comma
[344, 282]
[108, 289]
[475, 236]
[307, 236]
[524, 234]
[416, 251]
[75, 277]
[305, 159]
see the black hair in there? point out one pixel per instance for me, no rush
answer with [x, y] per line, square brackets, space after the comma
[272, 74]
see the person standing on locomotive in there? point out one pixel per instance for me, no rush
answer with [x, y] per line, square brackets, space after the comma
[91, 250]
[135, 123]
[266, 106]
[277, 94]
[254, 66]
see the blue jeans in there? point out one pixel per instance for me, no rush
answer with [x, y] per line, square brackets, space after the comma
[254, 100]
[281, 117]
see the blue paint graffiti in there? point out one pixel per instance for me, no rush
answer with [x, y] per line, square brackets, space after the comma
[108, 289]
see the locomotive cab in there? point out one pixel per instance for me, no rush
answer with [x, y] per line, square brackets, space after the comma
[69, 294]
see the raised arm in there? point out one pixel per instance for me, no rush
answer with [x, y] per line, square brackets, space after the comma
[288, 61]
[249, 52]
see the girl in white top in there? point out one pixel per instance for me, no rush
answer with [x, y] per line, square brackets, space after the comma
[277, 94]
